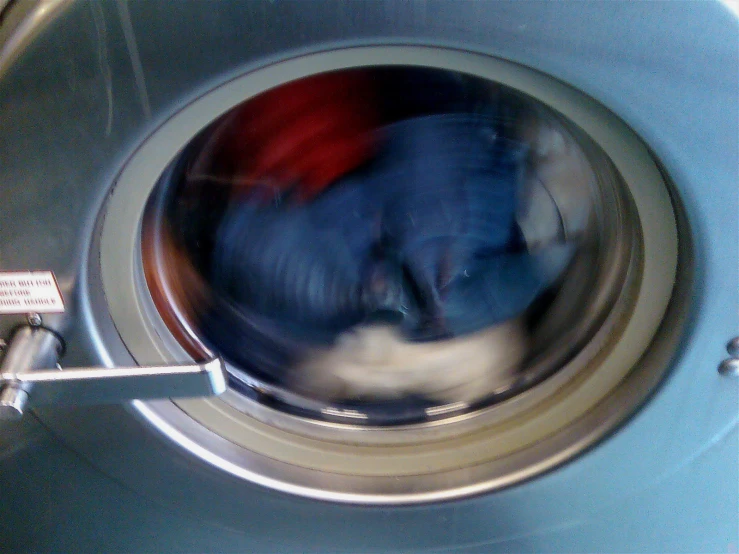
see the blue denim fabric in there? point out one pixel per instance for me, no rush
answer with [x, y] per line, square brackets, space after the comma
[427, 229]
[276, 262]
[448, 185]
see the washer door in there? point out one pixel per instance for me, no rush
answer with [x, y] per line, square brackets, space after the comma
[360, 458]
[121, 88]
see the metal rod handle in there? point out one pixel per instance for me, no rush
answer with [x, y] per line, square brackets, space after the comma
[26, 380]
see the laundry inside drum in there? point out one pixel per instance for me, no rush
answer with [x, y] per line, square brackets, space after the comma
[389, 245]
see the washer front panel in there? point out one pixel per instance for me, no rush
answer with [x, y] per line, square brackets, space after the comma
[454, 459]
[99, 79]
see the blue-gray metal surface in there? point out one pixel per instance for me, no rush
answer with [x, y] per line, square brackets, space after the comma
[100, 76]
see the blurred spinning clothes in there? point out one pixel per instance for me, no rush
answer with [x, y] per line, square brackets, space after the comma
[345, 220]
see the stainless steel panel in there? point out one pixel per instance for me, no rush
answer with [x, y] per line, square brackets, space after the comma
[101, 76]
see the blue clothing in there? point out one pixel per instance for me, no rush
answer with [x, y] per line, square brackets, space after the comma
[426, 230]
[448, 185]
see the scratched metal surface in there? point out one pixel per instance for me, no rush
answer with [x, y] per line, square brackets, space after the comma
[101, 75]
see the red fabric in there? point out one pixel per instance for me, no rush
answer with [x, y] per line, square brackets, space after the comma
[306, 133]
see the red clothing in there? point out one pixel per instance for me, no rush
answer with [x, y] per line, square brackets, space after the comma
[306, 133]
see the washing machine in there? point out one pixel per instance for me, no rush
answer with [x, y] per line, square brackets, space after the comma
[122, 432]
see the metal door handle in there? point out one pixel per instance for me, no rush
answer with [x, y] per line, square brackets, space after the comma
[26, 377]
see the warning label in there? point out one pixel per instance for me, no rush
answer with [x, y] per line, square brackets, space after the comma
[29, 291]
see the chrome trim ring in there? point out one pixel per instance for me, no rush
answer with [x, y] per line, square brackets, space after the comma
[407, 465]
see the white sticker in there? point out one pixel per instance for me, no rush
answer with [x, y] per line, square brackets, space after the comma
[29, 291]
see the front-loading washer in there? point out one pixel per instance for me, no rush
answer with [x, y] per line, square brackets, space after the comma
[629, 446]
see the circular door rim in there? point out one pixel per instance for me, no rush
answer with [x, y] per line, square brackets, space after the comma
[147, 344]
